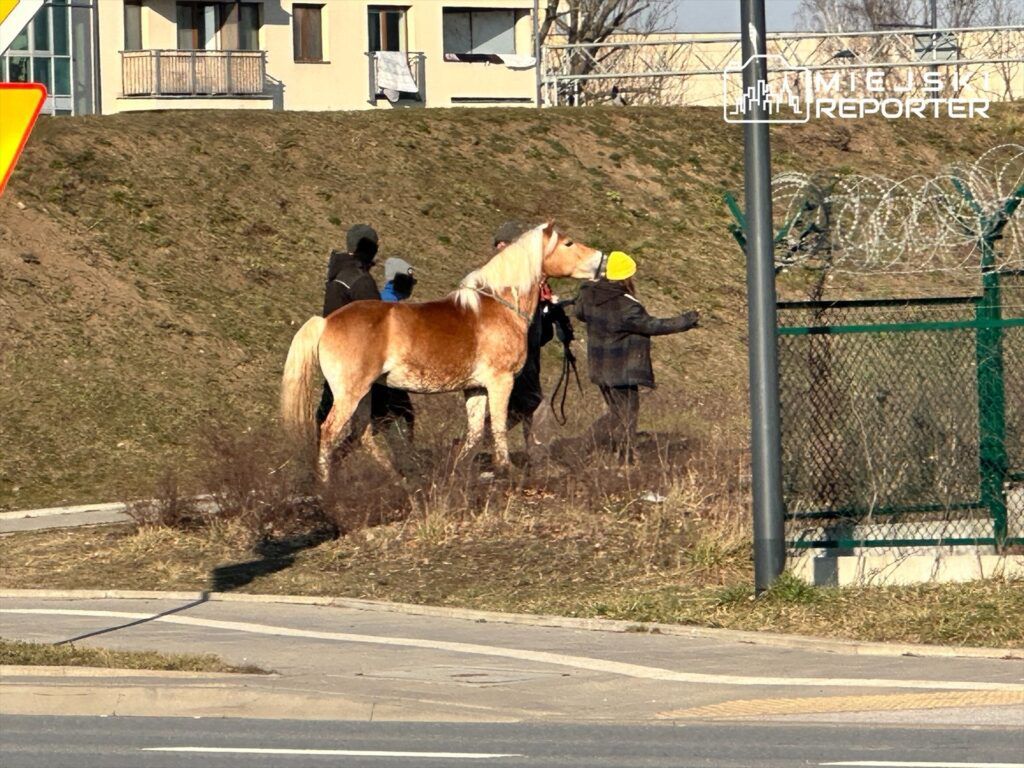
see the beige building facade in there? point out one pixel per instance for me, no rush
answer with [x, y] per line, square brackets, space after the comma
[327, 55]
[111, 56]
[970, 63]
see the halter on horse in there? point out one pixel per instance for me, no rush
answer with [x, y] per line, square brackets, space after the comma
[474, 340]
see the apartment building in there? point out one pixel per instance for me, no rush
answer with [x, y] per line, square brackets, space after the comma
[110, 56]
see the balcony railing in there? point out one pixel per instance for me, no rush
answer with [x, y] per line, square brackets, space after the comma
[193, 73]
[418, 69]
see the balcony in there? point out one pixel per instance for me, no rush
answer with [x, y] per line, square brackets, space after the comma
[153, 73]
[417, 63]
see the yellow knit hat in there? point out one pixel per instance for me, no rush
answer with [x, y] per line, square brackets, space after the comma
[620, 266]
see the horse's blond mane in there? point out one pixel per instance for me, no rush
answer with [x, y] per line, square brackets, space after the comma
[516, 268]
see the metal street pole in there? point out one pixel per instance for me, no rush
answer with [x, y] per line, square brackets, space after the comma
[766, 465]
[538, 52]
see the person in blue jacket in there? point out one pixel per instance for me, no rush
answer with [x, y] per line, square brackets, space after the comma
[400, 280]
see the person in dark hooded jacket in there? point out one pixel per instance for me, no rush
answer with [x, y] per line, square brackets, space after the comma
[619, 332]
[348, 280]
[527, 394]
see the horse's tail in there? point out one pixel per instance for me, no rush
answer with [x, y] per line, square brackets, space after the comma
[297, 382]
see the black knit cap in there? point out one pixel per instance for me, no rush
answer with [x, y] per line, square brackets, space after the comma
[510, 231]
[362, 241]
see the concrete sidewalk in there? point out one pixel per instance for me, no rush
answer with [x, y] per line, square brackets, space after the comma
[347, 663]
[63, 517]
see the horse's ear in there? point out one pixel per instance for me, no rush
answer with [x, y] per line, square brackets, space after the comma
[550, 238]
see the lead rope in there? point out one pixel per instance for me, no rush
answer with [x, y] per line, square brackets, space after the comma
[568, 364]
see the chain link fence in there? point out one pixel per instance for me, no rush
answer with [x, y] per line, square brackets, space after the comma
[1013, 362]
[892, 428]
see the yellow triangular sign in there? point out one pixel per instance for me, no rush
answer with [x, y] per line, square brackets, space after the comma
[19, 107]
[14, 17]
[6, 6]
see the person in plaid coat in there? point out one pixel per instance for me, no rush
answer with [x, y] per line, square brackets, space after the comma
[619, 332]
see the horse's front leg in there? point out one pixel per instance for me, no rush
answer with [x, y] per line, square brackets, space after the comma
[476, 416]
[498, 392]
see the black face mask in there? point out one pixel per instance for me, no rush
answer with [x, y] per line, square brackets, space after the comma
[404, 284]
[366, 251]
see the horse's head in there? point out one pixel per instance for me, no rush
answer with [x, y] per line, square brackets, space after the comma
[565, 257]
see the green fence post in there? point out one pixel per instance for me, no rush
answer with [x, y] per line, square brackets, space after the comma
[991, 396]
[993, 461]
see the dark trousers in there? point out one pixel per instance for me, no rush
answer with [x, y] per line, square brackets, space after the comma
[616, 429]
[326, 403]
[391, 406]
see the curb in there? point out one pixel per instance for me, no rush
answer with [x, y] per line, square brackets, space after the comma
[849, 647]
[216, 699]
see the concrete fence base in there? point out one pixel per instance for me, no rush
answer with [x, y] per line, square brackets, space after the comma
[894, 569]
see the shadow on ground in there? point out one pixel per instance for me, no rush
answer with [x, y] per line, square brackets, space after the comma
[274, 555]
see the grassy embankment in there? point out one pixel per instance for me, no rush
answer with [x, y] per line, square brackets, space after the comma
[155, 266]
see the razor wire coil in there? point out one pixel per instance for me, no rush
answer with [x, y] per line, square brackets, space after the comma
[871, 224]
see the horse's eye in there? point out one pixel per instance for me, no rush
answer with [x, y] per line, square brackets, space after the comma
[568, 243]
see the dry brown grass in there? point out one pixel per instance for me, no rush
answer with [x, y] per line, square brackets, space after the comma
[576, 541]
[17, 652]
[624, 566]
[161, 293]
[178, 292]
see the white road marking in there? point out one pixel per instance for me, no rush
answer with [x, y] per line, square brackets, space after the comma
[328, 752]
[897, 764]
[541, 657]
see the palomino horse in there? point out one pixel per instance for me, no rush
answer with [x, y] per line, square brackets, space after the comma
[474, 340]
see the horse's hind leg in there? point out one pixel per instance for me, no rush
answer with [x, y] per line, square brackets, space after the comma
[348, 411]
[362, 433]
[498, 393]
[332, 431]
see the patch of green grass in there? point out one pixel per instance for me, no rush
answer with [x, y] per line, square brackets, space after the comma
[19, 653]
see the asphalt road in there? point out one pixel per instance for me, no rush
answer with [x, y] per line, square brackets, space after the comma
[347, 664]
[348, 681]
[114, 742]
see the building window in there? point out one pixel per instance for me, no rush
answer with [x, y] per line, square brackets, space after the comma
[307, 32]
[249, 27]
[41, 53]
[197, 26]
[386, 29]
[133, 25]
[240, 27]
[468, 30]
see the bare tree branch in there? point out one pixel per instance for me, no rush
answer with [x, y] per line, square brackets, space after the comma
[863, 15]
[595, 21]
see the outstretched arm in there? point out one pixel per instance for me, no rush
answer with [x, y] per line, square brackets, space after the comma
[636, 320]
